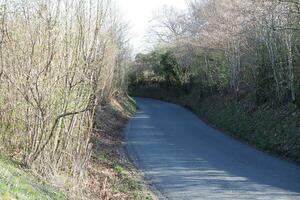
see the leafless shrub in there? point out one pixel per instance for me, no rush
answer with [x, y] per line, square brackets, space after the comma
[59, 59]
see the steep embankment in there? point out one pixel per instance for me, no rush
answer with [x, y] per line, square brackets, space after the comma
[273, 129]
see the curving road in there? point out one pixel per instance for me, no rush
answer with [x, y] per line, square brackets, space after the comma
[185, 159]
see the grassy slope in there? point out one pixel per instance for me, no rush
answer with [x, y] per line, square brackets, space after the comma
[274, 130]
[15, 183]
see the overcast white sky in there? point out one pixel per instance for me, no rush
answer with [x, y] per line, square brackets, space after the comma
[139, 12]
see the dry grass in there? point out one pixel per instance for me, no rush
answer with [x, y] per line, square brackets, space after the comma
[111, 175]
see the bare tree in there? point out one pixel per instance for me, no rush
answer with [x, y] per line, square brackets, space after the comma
[58, 62]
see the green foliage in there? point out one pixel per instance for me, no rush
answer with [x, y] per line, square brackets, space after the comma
[118, 169]
[169, 68]
[205, 72]
[157, 66]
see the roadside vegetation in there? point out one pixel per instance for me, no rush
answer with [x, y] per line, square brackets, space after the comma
[113, 176]
[61, 64]
[235, 63]
[64, 72]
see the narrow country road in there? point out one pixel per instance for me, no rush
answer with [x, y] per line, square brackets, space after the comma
[185, 159]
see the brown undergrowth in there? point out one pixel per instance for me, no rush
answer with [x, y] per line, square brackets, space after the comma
[111, 175]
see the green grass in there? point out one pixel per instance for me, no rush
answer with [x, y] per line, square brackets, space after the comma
[119, 169]
[15, 183]
[274, 130]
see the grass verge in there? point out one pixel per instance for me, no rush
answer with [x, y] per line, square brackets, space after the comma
[274, 130]
[16, 183]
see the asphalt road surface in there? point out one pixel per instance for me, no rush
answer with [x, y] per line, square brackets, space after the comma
[185, 159]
